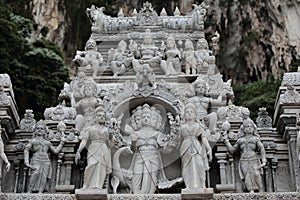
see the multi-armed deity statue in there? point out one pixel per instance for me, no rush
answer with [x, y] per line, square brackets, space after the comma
[145, 114]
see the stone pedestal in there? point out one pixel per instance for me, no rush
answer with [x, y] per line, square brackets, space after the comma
[198, 193]
[91, 194]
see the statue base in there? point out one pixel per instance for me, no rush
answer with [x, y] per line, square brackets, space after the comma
[91, 193]
[197, 193]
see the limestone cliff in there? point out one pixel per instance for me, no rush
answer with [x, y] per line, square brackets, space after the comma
[49, 15]
[257, 37]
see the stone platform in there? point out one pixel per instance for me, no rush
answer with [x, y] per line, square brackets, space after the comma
[228, 196]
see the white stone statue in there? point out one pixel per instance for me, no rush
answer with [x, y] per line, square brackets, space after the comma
[97, 18]
[172, 64]
[147, 53]
[202, 55]
[40, 164]
[120, 59]
[97, 141]
[202, 103]
[87, 104]
[199, 15]
[4, 158]
[250, 167]
[195, 151]
[28, 122]
[90, 59]
[146, 172]
[189, 57]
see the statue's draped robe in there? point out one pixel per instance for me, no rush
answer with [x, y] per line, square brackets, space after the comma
[147, 166]
[98, 158]
[42, 164]
[193, 156]
[248, 164]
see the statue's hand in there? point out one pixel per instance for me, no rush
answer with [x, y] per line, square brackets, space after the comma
[77, 157]
[209, 154]
[63, 139]
[7, 166]
[32, 167]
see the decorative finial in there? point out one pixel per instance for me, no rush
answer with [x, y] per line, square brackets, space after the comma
[121, 13]
[134, 13]
[163, 12]
[177, 12]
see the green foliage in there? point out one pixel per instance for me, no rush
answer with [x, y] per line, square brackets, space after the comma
[44, 31]
[294, 65]
[36, 69]
[256, 95]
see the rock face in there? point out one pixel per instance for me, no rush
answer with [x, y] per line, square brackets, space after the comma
[258, 37]
[50, 14]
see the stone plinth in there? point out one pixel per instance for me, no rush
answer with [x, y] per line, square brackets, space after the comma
[91, 193]
[199, 193]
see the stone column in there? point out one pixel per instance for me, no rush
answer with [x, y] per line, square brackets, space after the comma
[226, 181]
[293, 162]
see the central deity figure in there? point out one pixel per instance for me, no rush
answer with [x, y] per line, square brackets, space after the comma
[147, 164]
[145, 174]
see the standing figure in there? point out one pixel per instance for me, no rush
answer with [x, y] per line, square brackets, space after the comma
[40, 164]
[189, 57]
[4, 158]
[96, 139]
[172, 64]
[90, 59]
[147, 167]
[250, 167]
[87, 104]
[195, 151]
[202, 103]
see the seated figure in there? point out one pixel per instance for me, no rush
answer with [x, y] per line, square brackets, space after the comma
[172, 64]
[202, 55]
[147, 53]
[120, 59]
[90, 59]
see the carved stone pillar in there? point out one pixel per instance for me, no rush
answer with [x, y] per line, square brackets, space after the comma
[293, 162]
[274, 163]
[226, 181]
[17, 169]
[64, 170]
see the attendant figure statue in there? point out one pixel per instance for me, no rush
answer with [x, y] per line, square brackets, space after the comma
[172, 64]
[90, 59]
[202, 103]
[87, 104]
[202, 55]
[189, 57]
[195, 151]
[4, 158]
[97, 141]
[120, 59]
[250, 167]
[40, 164]
[147, 53]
